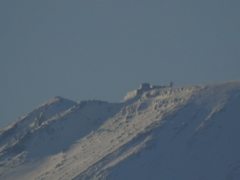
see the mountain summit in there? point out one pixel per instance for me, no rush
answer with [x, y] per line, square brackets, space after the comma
[156, 132]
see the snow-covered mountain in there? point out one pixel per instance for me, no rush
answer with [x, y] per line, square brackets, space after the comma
[156, 132]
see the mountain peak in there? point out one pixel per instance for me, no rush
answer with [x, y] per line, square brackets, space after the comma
[58, 99]
[144, 87]
[161, 132]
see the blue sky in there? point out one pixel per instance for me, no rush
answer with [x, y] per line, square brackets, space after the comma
[102, 49]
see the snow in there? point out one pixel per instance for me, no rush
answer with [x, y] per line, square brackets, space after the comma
[133, 95]
[188, 132]
[27, 123]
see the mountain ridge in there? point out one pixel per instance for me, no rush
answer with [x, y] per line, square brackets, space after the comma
[167, 132]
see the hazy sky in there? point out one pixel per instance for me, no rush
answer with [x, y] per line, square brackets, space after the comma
[102, 49]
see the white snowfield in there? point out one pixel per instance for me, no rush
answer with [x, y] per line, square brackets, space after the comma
[169, 133]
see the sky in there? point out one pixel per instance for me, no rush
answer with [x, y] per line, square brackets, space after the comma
[86, 50]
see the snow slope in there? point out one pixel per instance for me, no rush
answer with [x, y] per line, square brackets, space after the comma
[33, 120]
[189, 132]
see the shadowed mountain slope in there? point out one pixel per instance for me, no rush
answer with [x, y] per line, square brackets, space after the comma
[156, 132]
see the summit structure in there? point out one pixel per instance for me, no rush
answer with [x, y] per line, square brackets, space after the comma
[186, 132]
[144, 87]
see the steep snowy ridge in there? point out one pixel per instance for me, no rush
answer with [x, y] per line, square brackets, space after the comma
[61, 131]
[192, 145]
[188, 132]
[17, 130]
